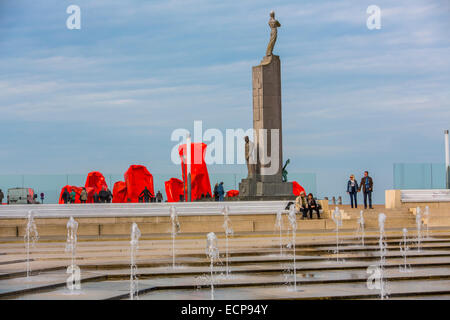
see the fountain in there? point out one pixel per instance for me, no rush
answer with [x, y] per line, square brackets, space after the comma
[31, 237]
[175, 230]
[134, 246]
[228, 232]
[404, 248]
[360, 233]
[279, 225]
[337, 218]
[73, 282]
[212, 252]
[426, 220]
[382, 242]
[382, 245]
[293, 222]
[419, 228]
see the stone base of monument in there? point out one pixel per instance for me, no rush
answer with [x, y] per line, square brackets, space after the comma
[252, 189]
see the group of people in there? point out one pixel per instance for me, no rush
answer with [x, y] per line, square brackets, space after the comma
[106, 196]
[307, 204]
[219, 192]
[366, 186]
[147, 196]
[103, 196]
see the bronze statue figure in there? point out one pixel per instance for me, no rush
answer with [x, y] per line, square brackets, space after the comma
[284, 172]
[274, 24]
[249, 157]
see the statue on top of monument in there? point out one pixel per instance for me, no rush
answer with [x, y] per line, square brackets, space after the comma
[274, 24]
[284, 171]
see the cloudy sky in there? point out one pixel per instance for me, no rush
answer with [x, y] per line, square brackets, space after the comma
[110, 95]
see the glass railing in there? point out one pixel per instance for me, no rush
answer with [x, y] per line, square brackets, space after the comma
[51, 185]
[419, 176]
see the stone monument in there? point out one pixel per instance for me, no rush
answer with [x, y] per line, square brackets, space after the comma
[264, 156]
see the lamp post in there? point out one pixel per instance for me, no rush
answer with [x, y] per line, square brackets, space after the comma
[447, 161]
[188, 166]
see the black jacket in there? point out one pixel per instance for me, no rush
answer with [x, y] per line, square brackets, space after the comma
[349, 186]
[146, 194]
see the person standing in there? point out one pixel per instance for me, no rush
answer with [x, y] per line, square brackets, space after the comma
[352, 190]
[96, 197]
[221, 191]
[83, 196]
[103, 195]
[42, 197]
[159, 196]
[367, 187]
[216, 192]
[1, 196]
[73, 195]
[109, 196]
[146, 195]
[65, 196]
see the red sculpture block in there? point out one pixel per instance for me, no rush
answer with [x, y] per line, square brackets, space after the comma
[174, 189]
[137, 178]
[200, 184]
[119, 192]
[297, 188]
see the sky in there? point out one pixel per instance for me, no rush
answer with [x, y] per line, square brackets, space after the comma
[110, 94]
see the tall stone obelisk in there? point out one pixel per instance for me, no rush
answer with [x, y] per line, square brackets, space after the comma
[266, 182]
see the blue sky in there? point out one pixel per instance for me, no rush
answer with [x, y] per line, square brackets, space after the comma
[109, 95]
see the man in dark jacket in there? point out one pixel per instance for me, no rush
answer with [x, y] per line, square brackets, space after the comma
[103, 195]
[367, 186]
[159, 196]
[1, 196]
[65, 196]
[110, 196]
[221, 191]
[146, 194]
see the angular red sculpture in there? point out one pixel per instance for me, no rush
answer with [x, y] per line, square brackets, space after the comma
[119, 192]
[137, 178]
[95, 182]
[174, 189]
[200, 184]
[232, 193]
[297, 188]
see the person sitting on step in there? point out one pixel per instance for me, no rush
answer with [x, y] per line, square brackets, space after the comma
[301, 204]
[312, 206]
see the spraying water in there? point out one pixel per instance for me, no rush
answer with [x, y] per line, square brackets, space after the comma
[71, 246]
[175, 230]
[360, 232]
[419, 228]
[382, 245]
[293, 222]
[31, 237]
[404, 248]
[279, 225]
[426, 219]
[381, 241]
[228, 232]
[212, 252]
[134, 246]
[337, 218]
